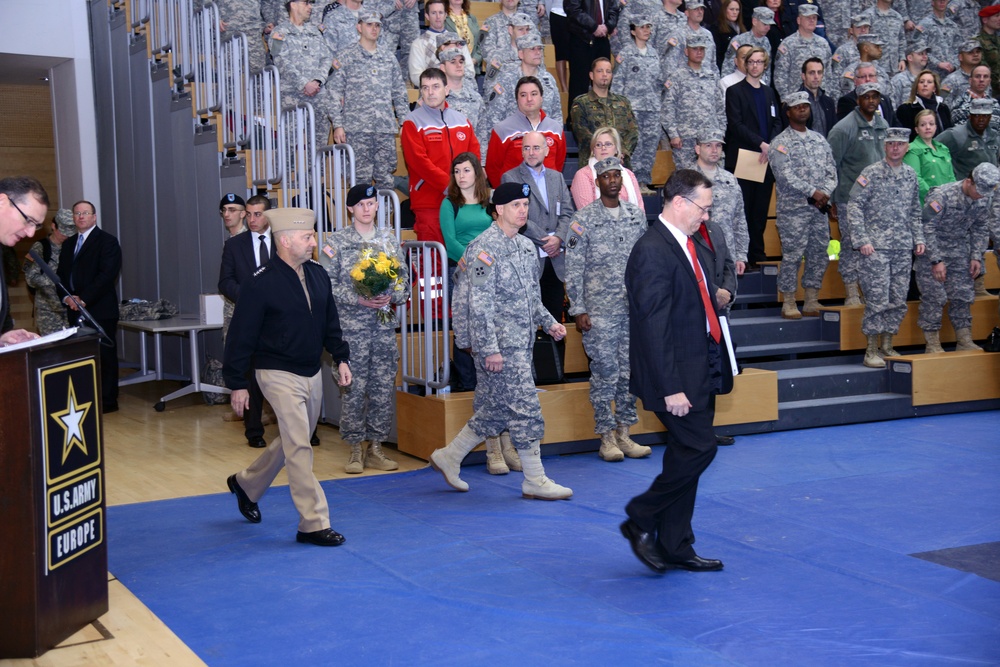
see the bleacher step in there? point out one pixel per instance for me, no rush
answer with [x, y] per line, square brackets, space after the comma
[814, 412]
[827, 382]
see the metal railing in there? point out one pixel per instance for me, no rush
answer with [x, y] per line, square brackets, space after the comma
[234, 76]
[335, 166]
[297, 146]
[139, 11]
[265, 109]
[205, 57]
[424, 321]
[389, 215]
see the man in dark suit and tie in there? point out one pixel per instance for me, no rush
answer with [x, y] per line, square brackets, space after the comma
[242, 255]
[23, 205]
[679, 363]
[90, 272]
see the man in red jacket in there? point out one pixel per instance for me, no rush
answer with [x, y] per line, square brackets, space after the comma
[432, 136]
[504, 152]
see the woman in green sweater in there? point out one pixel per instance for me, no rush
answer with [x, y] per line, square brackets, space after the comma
[463, 211]
[929, 158]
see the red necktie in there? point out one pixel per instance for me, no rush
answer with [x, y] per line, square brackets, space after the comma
[713, 319]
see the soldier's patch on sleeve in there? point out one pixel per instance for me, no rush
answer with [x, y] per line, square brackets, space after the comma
[673, 41]
[619, 58]
[920, 28]
[485, 258]
[736, 47]
[573, 240]
[935, 206]
[576, 227]
[837, 57]
[849, 75]
[484, 28]
[278, 36]
[335, 64]
[481, 268]
[862, 181]
[781, 148]
[499, 89]
[667, 84]
[945, 89]
[462, 266]
[783, 49]
[329, 251]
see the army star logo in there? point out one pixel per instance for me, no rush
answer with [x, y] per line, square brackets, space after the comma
[71, 420]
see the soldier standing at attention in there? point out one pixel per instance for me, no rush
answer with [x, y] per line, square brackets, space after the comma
[284, 319]
[244, 16]
[367, 405]
[370, 104]
[805, 176]
[796, 48]
[340, 21]
[601, 108]
[727, 197]
[884, 216]
[303, 59]
[693, 101]
[601, 237]
[503, 296]
[973, 142]
[50, 313]
[943, 38]
[955, 219]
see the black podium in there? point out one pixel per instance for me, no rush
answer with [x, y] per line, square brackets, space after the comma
[53, 557]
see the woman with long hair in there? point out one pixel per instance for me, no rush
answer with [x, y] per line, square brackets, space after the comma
[728, 25]
[924, 95]
[930, 159]
[606, 142]
[462, 21]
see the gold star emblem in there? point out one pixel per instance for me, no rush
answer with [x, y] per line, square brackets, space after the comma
[71, 420]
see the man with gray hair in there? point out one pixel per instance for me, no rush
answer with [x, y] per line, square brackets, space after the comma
[50, 314]
[869, 53]
[866, 73]
[794, 49]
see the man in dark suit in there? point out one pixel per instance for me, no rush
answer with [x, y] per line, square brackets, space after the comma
[23, 205]
[679, 363]
[752, 121]
[242, 255]
[590, 24]
[90, 272]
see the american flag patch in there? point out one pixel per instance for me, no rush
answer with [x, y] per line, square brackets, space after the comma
[462, 264]
[862, 181]
[576, 227]
[485, 258]
[935, 206]
[328, 251]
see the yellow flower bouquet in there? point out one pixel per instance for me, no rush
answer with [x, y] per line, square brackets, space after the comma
[376, 273]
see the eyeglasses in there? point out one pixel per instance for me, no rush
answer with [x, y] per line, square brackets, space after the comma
[755, 62]
[82, 214]
[706, 211]
[604, 144]
[28, 221]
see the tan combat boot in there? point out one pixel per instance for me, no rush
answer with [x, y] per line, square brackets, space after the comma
[536, 484]
[812, 305]
[356, 464]
[509, 452]
[885, 348]
[853, 295]
[495, 465]
[609, 448]
[789, 309]
[964, 339]
[933, 345]
[630, 447]
[872, 360]
[448, 460]
[376, 458]
[979, 286]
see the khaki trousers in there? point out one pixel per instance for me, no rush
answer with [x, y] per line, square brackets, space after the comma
[296, 401]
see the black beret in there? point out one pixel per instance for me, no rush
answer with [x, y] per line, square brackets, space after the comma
[508, 192]
[232, 199]
[359, 192]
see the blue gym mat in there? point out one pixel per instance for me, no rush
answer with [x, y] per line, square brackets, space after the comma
[816, 528]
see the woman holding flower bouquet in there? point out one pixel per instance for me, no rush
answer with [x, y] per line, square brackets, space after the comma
[368, 275]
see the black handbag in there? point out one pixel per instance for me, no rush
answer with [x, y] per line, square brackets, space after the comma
[992, 343]
[548, 359]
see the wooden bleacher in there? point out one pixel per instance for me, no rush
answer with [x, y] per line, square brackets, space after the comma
[952, 377]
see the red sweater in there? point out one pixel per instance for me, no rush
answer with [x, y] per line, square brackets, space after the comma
[431, 138]
[504, 152]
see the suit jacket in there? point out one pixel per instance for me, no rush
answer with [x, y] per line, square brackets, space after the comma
[849, 103]
[581, 23]
[668, 352]
[93, 272]
[718, 262]
[6, 322]
[742, 129]
[238, 264]
[554, 215]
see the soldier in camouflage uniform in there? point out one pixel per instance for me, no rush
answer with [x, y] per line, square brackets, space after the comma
[463, 95]
[303, 59]
[602, 108]
[974, 142]
[367, 405]
[504, 301]
[943, 37]
[837, 22]
[370, 104]
[857, 141]
[634, 10]
[728, 212]
[497, 35]
[50, 313]
[869, 52]
[668, 28]
[901, 84]
[805, 177]
[244, 16]
[601, 237]
[693, 102]
[499, 99]
[884, 217]
[637, 77]
[955, 220]
[978, 87]
[340, 23]
[796, 48]
[889, 24]
[952, 86]
[763, 19]
[847, 53]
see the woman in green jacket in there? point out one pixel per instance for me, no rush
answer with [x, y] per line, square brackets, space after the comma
[929, 158]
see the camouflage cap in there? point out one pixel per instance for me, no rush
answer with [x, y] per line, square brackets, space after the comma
[529, 41]
[871, 38]
[860, 21]
[449, 37]
[917, 46]
[370, 17]
[694, 4]
[290, 219]
[797, 98]
[900, 134]
[640, 20]
[866, 88]
[981, 107]
[970, 45]
[808, 10]
[607, 164]
[708, 136]
[986, 177]
[508, 192]
[450, 54]
[359, 192]
[764, 15]
[64, 222]
[696, 40]
[520, 20]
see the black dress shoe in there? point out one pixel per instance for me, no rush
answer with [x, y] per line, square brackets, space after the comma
[695, 564]
[110, 407]
[725, 440]
[644, 546]
[248, 508]
[327, 537]
[314, 440]
[256, 443]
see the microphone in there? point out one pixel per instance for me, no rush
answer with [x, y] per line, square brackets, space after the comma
[51, 275]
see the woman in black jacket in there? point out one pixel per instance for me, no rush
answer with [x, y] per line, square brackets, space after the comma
[924, 95]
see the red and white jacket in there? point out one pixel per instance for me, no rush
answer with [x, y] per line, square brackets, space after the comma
[431, 138]
[504, 151]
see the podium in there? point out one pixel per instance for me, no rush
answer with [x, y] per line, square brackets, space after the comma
[53, 556]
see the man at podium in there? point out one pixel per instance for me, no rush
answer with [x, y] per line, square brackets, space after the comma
[23, 206]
